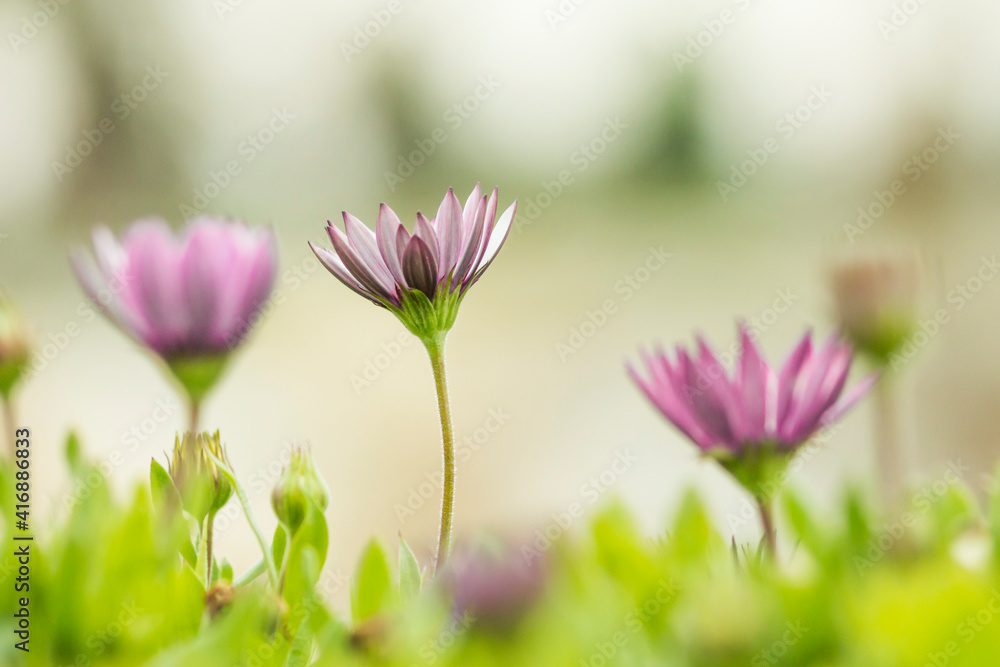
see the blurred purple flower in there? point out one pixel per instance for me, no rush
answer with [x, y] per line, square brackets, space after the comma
[440, 260]
[188, 295]
[494, 589]
[759, 407]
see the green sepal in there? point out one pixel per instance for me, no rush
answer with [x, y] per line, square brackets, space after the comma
[426, 319]
[760, 469]
[197, 375]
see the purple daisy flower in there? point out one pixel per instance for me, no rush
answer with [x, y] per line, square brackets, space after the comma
[190, 297]
[758, 407]
[754, 422]
[421, 276]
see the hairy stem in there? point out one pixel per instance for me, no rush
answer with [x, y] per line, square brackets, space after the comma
[209, 529]
[435, 349]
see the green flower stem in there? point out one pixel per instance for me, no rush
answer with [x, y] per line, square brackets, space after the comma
[194, 411]
[889, 440]
[209, 529]
[767, 522]
[241, 494]
[258, 569]
[435, 349]
[284, 566]
[199, 565]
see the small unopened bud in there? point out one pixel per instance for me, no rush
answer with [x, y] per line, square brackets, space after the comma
[877, 302]
[201, 485]
[298, 486]
[15, 346]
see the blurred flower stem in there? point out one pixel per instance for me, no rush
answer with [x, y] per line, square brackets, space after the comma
[889, 439]
[767, 521]
[258, 569]
[194, 410]
[435, 350]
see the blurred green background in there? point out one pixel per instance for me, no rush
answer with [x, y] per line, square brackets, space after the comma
[617, 126]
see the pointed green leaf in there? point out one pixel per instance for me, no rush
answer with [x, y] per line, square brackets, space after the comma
[74, 457]
[162, 490]
[409, 573]
[301, 649]
[372, 592]
[279, 543]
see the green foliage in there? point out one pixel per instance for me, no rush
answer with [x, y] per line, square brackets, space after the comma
[373, 589]
[112, 584]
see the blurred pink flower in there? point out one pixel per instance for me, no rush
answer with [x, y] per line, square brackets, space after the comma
[759, 407]
[494, 588]
[192, 294]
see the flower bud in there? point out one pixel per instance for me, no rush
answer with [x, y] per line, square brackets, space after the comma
[201, 485]
[877, 302]
[15, 346]
[298, 486]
